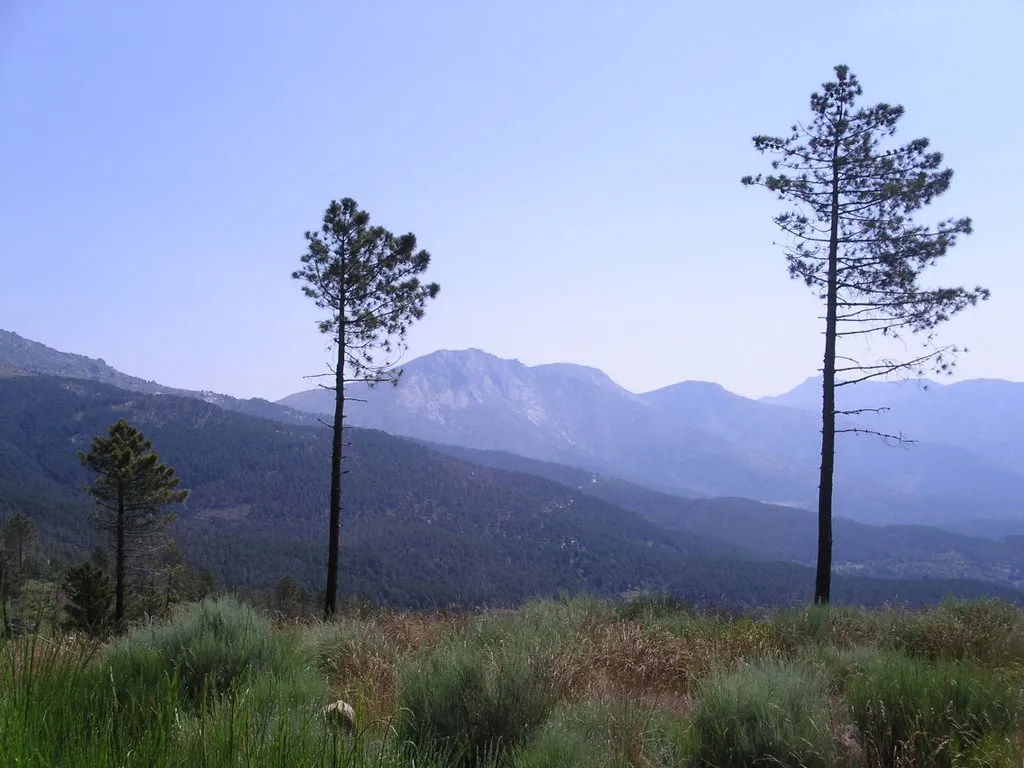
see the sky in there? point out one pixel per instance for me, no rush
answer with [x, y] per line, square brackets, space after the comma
[573, 168]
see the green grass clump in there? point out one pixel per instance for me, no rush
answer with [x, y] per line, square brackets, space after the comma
[609, 732]
[209, 649]
[774, 712]
[202, 689]
[792, 629]
[63, 704]
[478, 694]
[568, 683]
[836, 666]
[653, 605]
[985, 631]
[913, 712]
[472, 702]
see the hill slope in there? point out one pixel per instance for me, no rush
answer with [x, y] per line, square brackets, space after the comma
[22, 354]
[785, 533]
[690, 439]
[420, 529]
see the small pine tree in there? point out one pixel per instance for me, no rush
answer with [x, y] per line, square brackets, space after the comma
[90, 598]
[19, 533]
[130, 488]
[290, 599]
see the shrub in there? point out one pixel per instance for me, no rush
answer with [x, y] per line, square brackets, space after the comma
[837, 665]
[60, 705]
[207, 650]
[359, 655]
[791, 629]
[604, 732]
[652, 606]
[771, 712]
[476, 695]
[908, 708]
[985, 631]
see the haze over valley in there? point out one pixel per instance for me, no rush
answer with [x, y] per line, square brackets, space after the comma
[479, 481]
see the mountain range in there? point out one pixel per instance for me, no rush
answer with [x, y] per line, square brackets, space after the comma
[429, 522]
[966, 461]
[423, 528]
[965, 468]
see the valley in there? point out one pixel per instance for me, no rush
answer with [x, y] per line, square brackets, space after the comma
[430, 524]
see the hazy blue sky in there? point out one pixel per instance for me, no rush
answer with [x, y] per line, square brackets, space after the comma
[572, 166]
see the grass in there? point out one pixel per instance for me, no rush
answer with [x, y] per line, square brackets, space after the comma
[773, 711]
[574, 682]
[914, 712]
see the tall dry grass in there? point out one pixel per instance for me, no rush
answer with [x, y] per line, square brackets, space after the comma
[568, 682]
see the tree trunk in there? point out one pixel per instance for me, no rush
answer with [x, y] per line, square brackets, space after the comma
[337, 450]
[119, 568]
[823, 577]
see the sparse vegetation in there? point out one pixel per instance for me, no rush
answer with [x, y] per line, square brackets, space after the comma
[764, 712]
[575, 682]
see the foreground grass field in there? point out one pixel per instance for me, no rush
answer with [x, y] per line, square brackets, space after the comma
[556, 684]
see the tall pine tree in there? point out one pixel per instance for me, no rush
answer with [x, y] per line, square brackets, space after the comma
[367, 280]
[853, 240]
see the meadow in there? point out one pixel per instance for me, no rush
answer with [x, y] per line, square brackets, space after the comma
[557, 683]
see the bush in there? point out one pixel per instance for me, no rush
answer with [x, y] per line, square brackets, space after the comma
[985, 631]
[470, 704]
[476, 695]
[653, 605]
[907, 709]
[604, 732]
[154, 699]
[791, 629]
[764, 713]
[207, 650]
[836, 666]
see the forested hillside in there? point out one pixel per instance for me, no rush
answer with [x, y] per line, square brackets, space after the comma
[786, 533]
[420, 528]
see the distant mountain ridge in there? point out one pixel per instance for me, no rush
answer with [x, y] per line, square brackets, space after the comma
[475, 399]
[21, 354]
[985, 416]
[692, 439]
[696, 438]
[423, 529]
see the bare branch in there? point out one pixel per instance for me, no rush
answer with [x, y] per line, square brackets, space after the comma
[888, 439]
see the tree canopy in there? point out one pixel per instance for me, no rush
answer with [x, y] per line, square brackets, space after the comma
[852, 238]
[368, 281]
[130, 488]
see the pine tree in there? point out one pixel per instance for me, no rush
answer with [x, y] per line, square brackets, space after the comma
[130, 489]
[90, 597]
[19, 532]
[854, 241]
[289, 599]
[367, 280]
